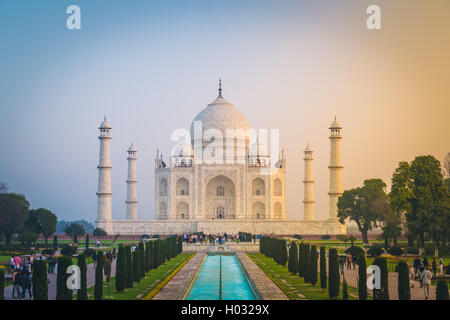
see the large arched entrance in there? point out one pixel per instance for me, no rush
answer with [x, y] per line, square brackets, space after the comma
[220, 198]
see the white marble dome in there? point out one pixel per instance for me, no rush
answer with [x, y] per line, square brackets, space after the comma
[221, 115]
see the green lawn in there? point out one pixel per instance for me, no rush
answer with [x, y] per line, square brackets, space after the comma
[291, 284]
[147, 284]
[4, 260]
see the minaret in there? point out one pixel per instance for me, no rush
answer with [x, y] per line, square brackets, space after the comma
[131, 184]
[335, 168]
[308, 202]
[104, 193]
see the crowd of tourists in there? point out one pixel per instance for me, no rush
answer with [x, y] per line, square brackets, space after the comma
[217, 239]
[423, 271]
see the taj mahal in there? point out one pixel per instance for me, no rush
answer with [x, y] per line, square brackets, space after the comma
[220, 178]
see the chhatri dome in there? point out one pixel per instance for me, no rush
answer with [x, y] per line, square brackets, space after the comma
[220, 114]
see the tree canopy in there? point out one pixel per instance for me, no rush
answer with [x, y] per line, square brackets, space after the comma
[14, 209]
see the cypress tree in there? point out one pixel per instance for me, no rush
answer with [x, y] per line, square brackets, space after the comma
[323, 269]
[155, 254]
[98, 287]
[39, 280]
[121, 269]
[129, 268]
[293, 258]
[136, 266]
[404, 292]
[313, 265]
[333, 274]
[150, 255]
[383, 292]
[141, 252]
[307, 275]
[146, 255]
[82, 292]
[55, 242]
[62, 292]
[300, 260]
[2, 285]
[344, 290]
[87, 241]
[442, 290]
[362, 277]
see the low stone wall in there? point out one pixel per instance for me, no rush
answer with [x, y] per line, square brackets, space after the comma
[125, 227]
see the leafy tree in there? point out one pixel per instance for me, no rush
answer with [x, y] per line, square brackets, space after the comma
[404, 292]
[136, 266]
[129, 262]
[98, 232]
[362, 277]
[442, 290]
[3, 187]
[293, 258]
[313, 265]
[383, 292]
[74, 230]
[359, 205]
[46, 223]
[323, 269]
[13, 214]
[62, 292]
[333, 273]
[98, 287]
[121, 269]
[82, 292]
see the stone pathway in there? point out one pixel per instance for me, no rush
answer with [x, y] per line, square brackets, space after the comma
[90, 279]
[177, 286]
[265, 286]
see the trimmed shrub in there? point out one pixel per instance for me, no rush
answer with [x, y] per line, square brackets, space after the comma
[323, 269]
[89, 252]
[325, 237]
[62, 292]
[395, 251]
[301, 260]
[136, 266]
[39, 280]
[362, 277]
[313, 265]
[442, 290]
[141, 251]
[375, 251]
[404, 292]
[333, 273]
[121, 269]
[2, 285]
[354, 251]
[98, 287]
[344, 290]
[48, 251]
[297, 236]
[383, 292]
[68, 251]
[82, 292]
[129, 268]
[307, 275]
[293, 258]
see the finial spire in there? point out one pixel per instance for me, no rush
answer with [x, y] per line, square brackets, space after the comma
[220, 88]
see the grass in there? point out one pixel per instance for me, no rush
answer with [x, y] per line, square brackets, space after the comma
[4, 260]
[146, 285]
[294, 287]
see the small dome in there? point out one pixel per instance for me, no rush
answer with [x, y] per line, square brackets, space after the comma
[335, 124]
[105, 124]
[132, 148]
[182, 149]
[257, 149]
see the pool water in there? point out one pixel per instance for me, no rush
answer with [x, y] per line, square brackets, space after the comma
[212, 284]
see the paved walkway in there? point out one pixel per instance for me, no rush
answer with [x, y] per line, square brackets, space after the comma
[417, 293]
[52, 285]
[265, 286]
[178, 285]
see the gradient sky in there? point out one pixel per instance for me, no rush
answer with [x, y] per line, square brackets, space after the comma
[151, 66]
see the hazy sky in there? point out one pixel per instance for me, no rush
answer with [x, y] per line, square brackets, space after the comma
[151, 66]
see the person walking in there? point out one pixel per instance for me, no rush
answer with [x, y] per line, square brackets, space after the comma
[427, 275]
[412, 275]
[434, 266]
[421, 271]
[17, 283]
[441, 266]
[349, 261]
[26, 285]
